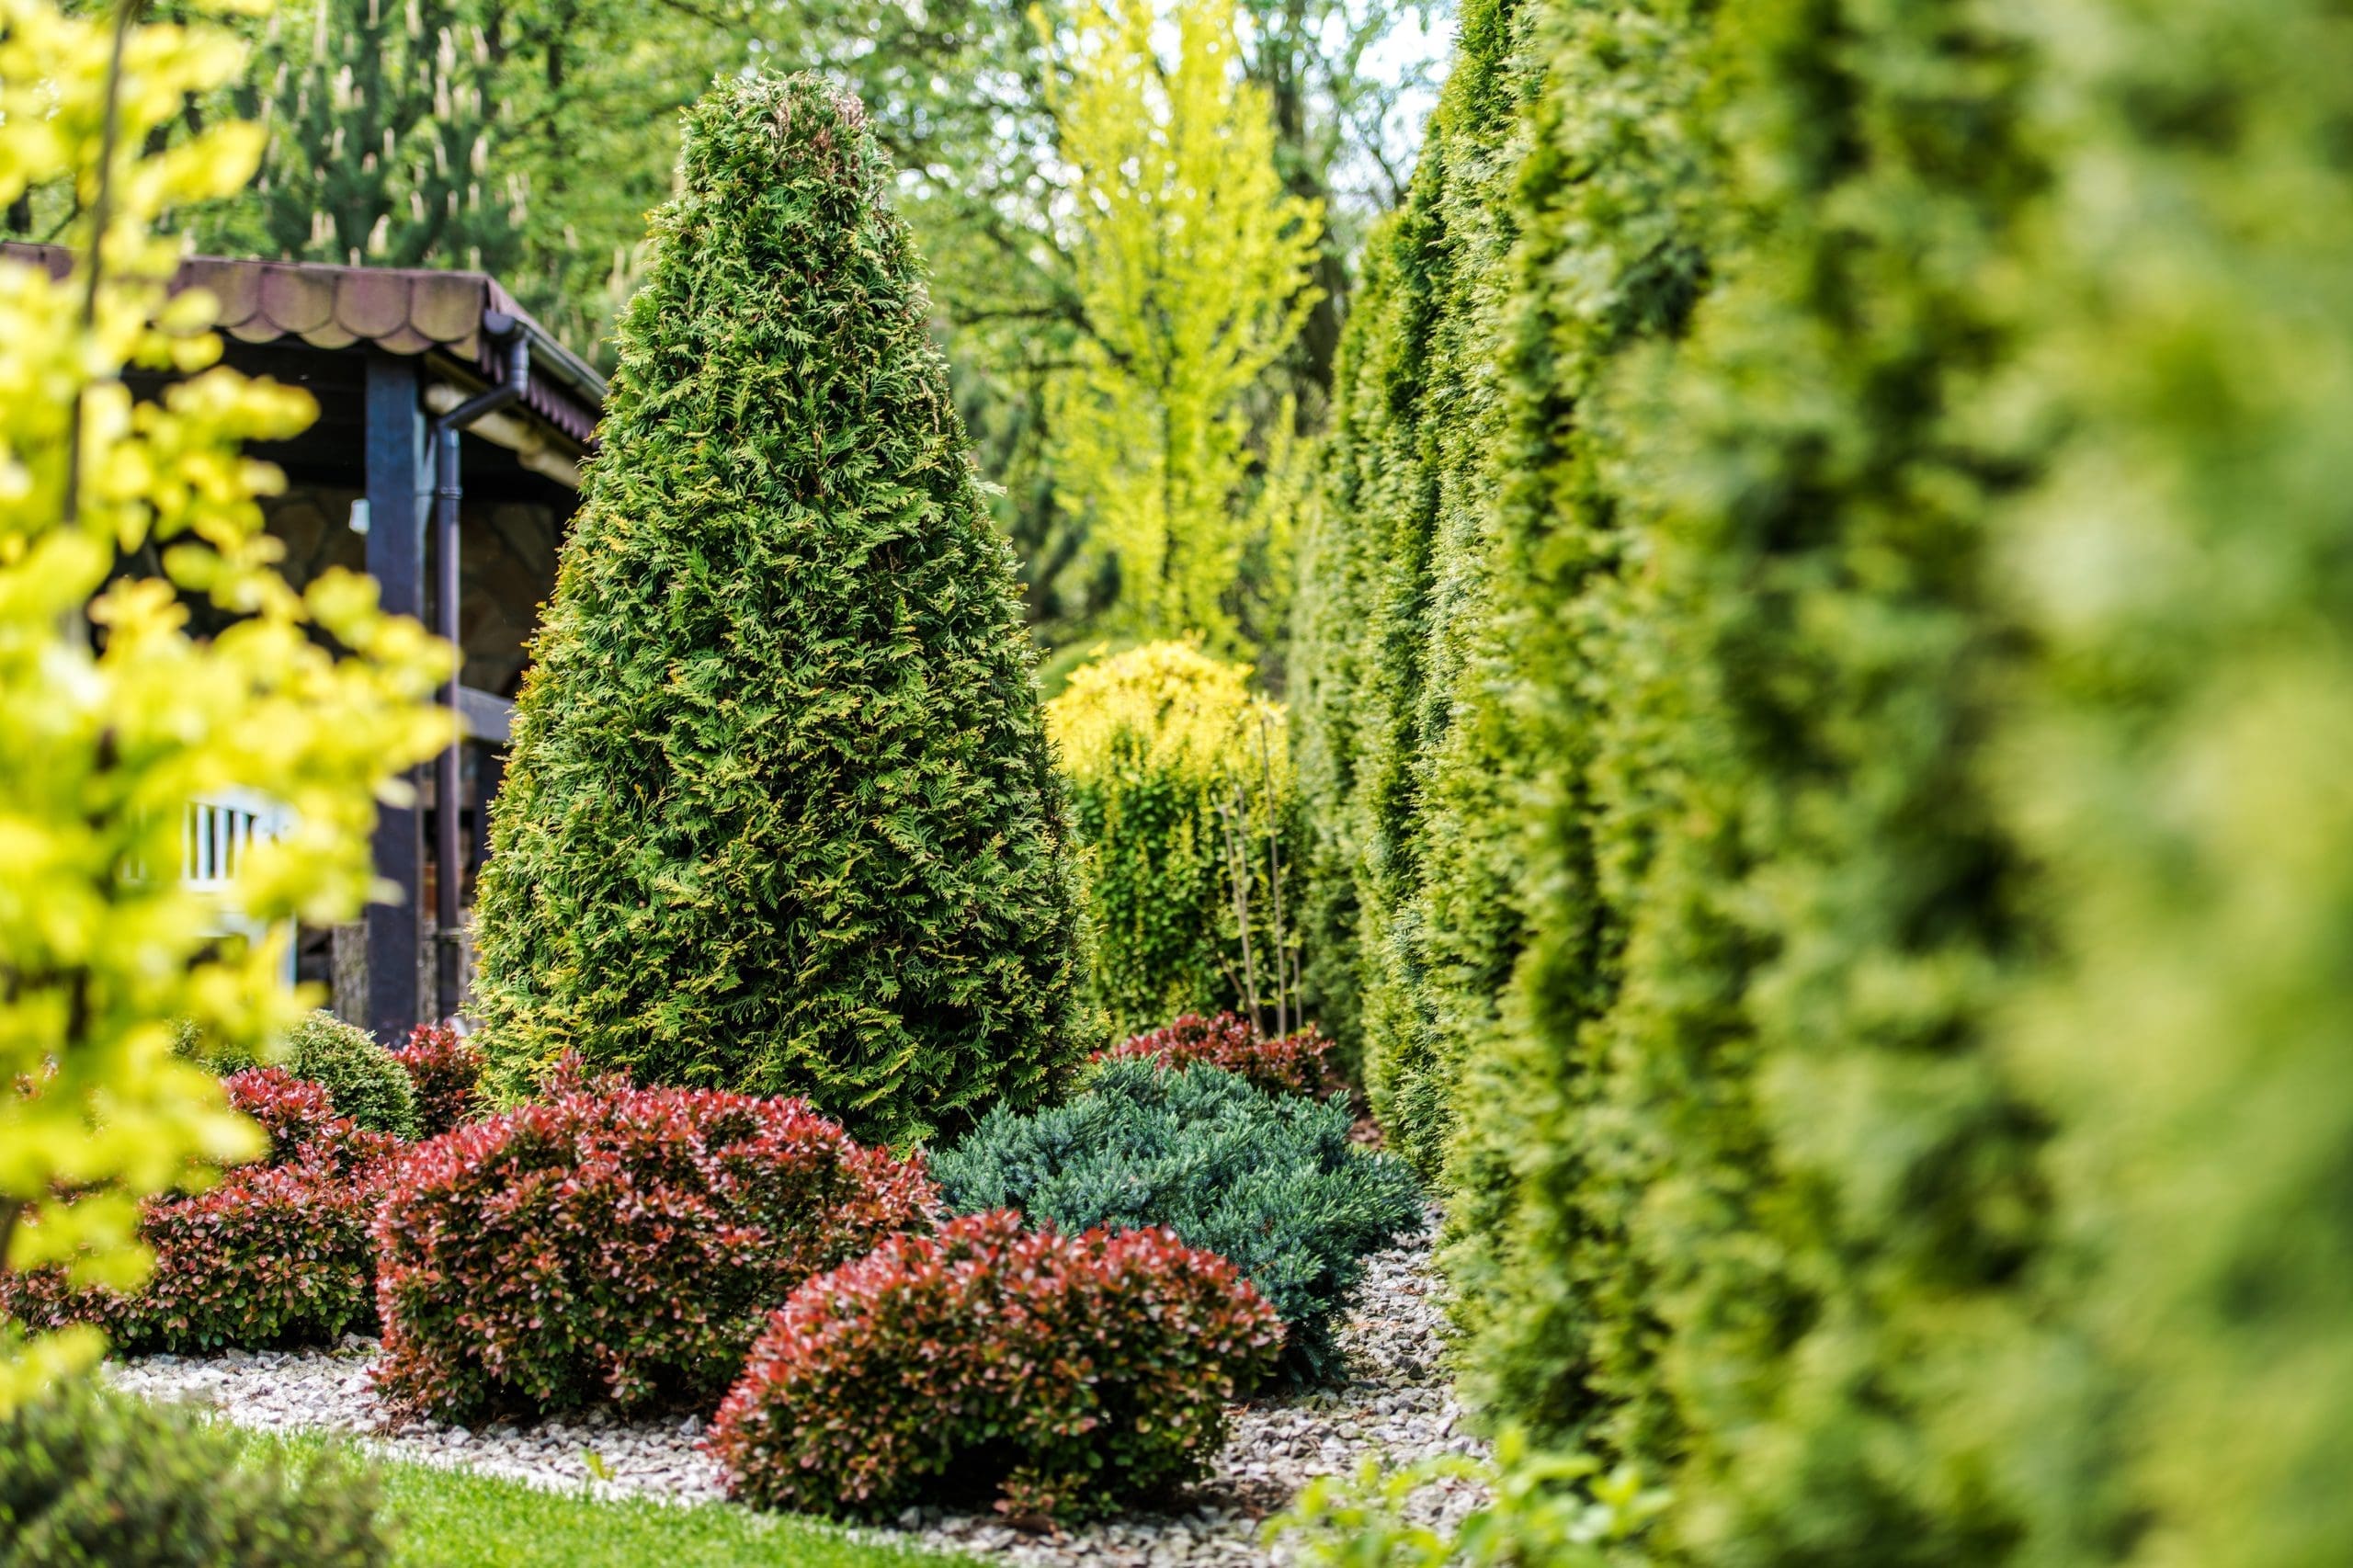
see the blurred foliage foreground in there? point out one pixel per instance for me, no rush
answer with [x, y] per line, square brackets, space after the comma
[113, 719]
[1824, 697]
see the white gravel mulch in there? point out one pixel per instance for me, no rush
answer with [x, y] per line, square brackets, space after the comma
[1398, 1406]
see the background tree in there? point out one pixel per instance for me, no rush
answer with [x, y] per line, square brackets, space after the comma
[1194, 270]
[112, 718]
[381, 120]
[532, 137]
[1346, 83]
[780, 814]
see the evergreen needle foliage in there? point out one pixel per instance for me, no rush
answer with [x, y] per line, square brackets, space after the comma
[1846, 860]
[89, 1477]
[1268, 1181]
[1396, 630]
[364, 1080]
[781, 816]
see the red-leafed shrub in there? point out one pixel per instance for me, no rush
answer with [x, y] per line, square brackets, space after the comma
[445, 1069]
[1062, 1373]
[300, 1119]
[622, 1246]
[571, 1074]
[1290, 1065]
[278, 1253]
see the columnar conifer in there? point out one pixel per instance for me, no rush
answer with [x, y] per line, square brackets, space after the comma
[781, 816]
[1393, 607]
[1911, 709]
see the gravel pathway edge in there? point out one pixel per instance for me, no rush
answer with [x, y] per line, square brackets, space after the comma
[1398, 1407]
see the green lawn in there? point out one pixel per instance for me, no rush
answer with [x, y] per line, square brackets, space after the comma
[451, 1518]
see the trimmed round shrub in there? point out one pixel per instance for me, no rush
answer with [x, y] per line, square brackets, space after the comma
[276, 1254]
[781, 816]
[619, 1246]
[444, 1071]
[303, 1123]
[1062, 1373]
[95, 1480]
[1292, 1065]
[1269, 1181]
[368, 1085]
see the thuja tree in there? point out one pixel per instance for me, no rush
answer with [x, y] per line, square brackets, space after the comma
[2175, 767]
[780, 815]
[1545, 796]
[1915, 1135]
[1687, 744]
[1784, 1159]
[1394, 611]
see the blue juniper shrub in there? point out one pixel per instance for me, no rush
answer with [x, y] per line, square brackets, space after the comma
[1269, 1182]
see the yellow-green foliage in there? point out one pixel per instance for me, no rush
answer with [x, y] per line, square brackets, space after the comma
[1396, 622]
[1915, 1135]
[111, 717]
[1193, 266]
[2175, 770]
[1544, 795]
[1156, 741]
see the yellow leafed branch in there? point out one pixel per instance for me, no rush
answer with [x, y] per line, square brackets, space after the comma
[112, 717]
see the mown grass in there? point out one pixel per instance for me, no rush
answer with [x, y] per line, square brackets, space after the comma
[453, 1518]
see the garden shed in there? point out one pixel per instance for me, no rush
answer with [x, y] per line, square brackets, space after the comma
[399, 361]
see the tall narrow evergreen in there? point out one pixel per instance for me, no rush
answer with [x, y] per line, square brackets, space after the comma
[1395, 590]
[780, 815]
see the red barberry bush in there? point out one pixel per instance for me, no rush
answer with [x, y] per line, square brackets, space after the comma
[278, 1253]
[1295, 1063]
[1060, 1373]
[445, 1070]
[303, 1123]
[622, 1246]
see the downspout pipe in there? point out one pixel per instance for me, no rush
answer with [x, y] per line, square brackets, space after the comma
[450, 779]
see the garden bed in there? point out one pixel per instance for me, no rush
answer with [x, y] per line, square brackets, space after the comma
[1396, 1405]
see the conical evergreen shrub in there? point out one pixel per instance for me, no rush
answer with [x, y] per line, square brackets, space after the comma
[781, 816]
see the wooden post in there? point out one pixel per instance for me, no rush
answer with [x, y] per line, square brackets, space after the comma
[395, 450]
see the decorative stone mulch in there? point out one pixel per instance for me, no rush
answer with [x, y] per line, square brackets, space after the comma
[1397, 1407]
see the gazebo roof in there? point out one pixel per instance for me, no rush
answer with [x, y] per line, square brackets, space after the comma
[399, 309]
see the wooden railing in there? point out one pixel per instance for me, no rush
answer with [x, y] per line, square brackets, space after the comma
[218, 831]
[215, 835]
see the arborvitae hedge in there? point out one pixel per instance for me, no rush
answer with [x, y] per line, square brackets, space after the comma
[1920, 686]
[781, 816]
[1811, 1180]
[1616, 198]
[1395, 588]
[2176, 771]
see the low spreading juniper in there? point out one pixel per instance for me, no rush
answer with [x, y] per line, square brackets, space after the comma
[1268, 1181]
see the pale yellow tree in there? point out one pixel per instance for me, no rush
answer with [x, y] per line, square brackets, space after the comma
[112, 717]
[1193, 271]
